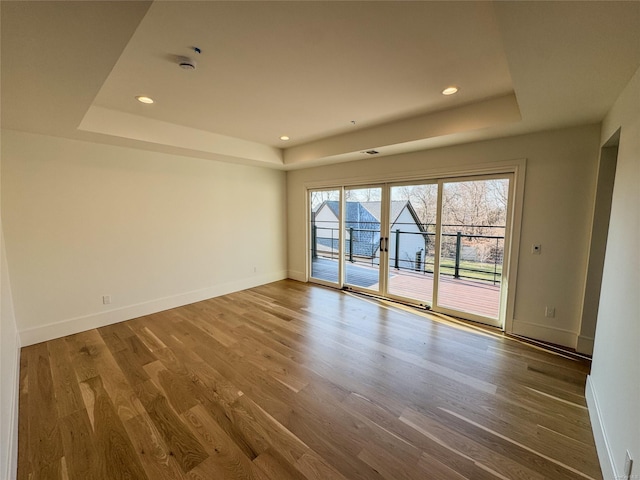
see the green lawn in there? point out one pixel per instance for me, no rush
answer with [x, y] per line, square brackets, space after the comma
[485, 270]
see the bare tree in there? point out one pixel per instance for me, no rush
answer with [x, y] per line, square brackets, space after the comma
[424, 200]
[362, 195]
[481, 205]
[318, 197]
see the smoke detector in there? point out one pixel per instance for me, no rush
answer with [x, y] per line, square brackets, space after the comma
[186, 63]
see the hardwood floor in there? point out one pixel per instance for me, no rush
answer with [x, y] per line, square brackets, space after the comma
[291, 381]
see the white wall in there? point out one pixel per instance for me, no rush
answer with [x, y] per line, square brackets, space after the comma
[9, 369]
[558, 204]
[613, 390]
[409, 243]
[9, 373]
[9, 366]
[152, 230]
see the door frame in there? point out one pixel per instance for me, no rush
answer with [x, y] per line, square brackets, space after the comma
[383, 256]
[390, 185]
[436, 307]
[309, 262]
[515, 166]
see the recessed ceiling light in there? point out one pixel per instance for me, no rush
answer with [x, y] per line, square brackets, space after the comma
[284, 137]
[450, 90]
[143, 99]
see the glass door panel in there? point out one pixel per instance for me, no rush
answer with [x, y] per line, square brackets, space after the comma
[474, 221]
[363, 217]
[325, 235]
[412, 238]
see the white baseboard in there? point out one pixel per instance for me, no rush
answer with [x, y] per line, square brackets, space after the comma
[70, 326]
[557, 336]
[299, 276]
[599, 433]
[585, 345]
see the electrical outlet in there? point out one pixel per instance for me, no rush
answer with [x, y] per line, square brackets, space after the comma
[106, 299]
[536, 249]
[628, 464]
[550, 312]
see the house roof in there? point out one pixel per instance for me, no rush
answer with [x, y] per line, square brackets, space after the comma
[396, 209]
[371, 211]
[355, 212]
[339, 78]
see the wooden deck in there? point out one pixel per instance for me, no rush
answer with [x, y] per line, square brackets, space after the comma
[478, 297]
[481, 298]
[293, 381]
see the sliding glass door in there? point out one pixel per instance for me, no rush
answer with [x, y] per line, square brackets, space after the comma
[413, 214]
[439, 243]
[364, 247]
[473, 226]
[324, 231]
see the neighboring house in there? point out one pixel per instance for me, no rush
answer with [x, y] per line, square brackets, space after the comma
[366, 229]
[407, 232]
[364, 219]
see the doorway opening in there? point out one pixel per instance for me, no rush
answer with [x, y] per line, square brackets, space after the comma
[598, 244]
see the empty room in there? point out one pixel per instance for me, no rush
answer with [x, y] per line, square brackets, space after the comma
[320, 240]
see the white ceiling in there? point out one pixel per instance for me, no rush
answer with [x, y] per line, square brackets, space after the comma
[307, 70]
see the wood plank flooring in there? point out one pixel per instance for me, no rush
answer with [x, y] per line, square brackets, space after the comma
[291, 381]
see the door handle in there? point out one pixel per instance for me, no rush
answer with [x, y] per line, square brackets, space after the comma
[384, 244]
